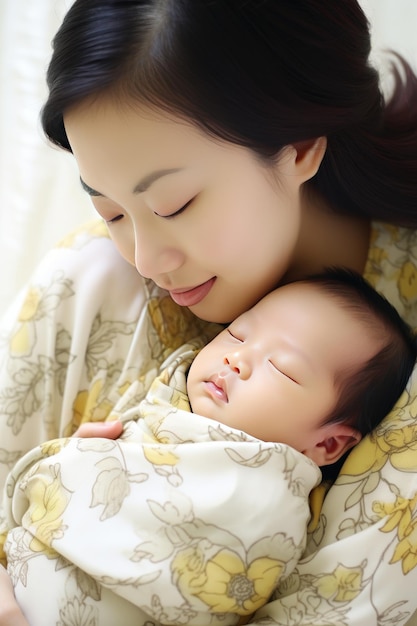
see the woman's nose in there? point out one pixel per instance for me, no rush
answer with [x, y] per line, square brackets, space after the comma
[154, 257]
[238, 364]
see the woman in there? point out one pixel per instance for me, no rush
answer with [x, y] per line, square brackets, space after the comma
[231, 147]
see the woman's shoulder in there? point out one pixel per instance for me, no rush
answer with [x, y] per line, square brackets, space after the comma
[82, 272]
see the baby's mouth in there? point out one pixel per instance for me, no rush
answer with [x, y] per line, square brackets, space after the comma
[217, 389]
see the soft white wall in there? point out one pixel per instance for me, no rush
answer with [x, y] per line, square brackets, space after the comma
[393, 25]
[40, 196]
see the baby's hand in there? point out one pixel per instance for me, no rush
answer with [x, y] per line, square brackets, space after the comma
[108, 430]
[10, 613]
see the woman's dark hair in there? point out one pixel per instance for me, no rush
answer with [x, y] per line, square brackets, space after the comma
[259, 73]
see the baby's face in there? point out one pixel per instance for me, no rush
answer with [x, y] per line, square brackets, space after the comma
[272, 372]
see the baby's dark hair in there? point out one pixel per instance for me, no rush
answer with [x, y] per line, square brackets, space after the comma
[368, 393]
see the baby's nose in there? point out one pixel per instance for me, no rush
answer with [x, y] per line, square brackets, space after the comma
[233, 367]
[238, 365]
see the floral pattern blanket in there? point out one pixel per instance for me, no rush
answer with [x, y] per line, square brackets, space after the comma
[188, 520]
[89, 335]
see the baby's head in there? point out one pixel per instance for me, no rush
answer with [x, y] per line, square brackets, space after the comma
[368, 392]
[315, 364]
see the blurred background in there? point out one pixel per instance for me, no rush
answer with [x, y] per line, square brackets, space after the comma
[40, 195]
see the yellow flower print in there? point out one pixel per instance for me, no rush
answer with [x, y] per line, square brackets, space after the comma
[180, 400]
[399, 512]
[376, 257]
[78, 411]
[53, 447]
[397, 445]
[21, 341]
[30, 306]
[407, 282]
[88, 407]
[406, 550]
[342, 585]
[3, 557]
[171, 325]
[94, 228]
[405, 401]
[49, 498]
[224, 583]
[38, 303]
[160, 455]
[38, 546]
[162, 392]
[188, 567]
[402, 444]
[393, 231]
[123, 388]
[370, 455]
[402, 518]
[316, 500]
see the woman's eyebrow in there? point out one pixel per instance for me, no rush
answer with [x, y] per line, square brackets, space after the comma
[89, 190]
[142, 185]
[149, 179]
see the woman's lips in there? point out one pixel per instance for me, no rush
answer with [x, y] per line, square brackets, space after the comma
[191, 297]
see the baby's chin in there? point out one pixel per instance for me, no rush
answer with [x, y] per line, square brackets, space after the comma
[204, 406]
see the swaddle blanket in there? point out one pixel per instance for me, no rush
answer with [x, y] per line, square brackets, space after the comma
[182, 520]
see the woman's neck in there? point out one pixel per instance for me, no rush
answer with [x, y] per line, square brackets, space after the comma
[328, 239]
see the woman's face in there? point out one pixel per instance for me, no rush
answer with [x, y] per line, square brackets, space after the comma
[204, 219]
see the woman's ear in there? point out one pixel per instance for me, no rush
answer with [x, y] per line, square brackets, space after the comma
[303, 159]
[337, 439]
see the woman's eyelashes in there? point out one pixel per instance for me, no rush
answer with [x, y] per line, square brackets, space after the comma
[113, 220]
[117, 218]
[175, 213]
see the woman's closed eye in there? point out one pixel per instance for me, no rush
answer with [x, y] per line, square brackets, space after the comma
[171, 215]
[175, 213]
[109, 211]
[113, 220]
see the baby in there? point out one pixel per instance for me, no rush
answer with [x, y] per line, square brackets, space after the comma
[149, 527]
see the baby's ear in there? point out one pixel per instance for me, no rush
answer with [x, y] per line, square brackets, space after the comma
[335, 441]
